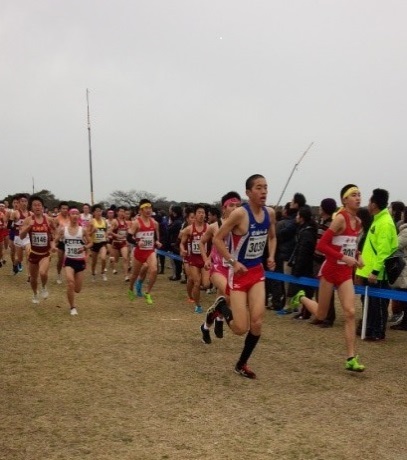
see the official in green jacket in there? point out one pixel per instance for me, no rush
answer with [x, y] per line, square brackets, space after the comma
[380, 243]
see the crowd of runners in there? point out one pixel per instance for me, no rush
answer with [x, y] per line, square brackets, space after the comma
[225, 251]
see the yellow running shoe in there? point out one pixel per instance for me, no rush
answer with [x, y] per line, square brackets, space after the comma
[354, 365]
[148, 298]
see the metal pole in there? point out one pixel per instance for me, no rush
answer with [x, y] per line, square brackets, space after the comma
[292, 172]
[90, 152]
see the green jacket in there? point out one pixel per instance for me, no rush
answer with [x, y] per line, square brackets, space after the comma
[381, 241]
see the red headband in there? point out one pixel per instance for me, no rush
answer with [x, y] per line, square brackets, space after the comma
[231, 201]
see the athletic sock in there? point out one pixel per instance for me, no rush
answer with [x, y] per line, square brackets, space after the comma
[226, 312]
[249, 345]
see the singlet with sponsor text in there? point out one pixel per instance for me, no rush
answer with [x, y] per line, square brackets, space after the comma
[121, 230]
[216, 258]
[194, 238]
[145, 235]
[248, 249]
[347, 242]
[19, 222]
[74, 244]
[100, 230]
[40, 236]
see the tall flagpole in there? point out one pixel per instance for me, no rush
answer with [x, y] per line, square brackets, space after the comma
[292, 172]
[92, 201]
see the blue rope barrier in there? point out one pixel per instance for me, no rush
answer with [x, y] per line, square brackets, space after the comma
[392, 294]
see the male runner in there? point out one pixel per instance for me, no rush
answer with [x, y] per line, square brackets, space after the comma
[40, 229]
[144, 233]
[76, 242]
[252, 226]
[217, 266]
[190, 238]
[61, 220]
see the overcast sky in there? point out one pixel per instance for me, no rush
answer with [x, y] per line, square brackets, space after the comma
[189, 98]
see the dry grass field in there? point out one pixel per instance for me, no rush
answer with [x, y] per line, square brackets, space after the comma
[127, 381]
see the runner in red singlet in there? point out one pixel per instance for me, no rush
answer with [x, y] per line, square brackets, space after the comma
[40, 228]
[339, 245]
[144, 232]
[190, 238]
[118, 234]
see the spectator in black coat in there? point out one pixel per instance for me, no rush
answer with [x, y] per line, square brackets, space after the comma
[302, 261]
[172, 245]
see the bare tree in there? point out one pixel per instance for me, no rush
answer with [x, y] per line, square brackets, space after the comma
[132, 197]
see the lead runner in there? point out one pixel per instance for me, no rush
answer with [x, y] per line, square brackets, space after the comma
[251, 226]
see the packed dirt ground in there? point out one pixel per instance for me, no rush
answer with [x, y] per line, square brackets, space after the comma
[124, 380]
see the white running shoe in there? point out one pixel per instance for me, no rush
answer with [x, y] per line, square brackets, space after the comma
[35, 299]
[59, 280]
[104, 277]
[126, 279]
[44, 293]
[115, 272]
[74, 311]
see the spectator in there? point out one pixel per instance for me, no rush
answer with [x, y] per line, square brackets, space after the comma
[381, 242]
[286, 236]
[301, 261]
[172, 244]
[326, 210]
[400, 321]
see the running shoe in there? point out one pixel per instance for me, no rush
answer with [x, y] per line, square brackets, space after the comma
[206, 335]
[59, 280]
[354, 365]
[44, 293]
[130, 294]
[218, 329]
[198, 309]
[15, 269]
[115, 272]
[35, 299]
[127, 279]
[296, 300]
[396, 318]
[148, 298]
[20, 267]
[104, 277]
[284, 311]
[74, 311]
[215, 310]
[139, 286]
[245, 371]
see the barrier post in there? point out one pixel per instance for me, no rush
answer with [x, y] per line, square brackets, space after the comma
[364, 317]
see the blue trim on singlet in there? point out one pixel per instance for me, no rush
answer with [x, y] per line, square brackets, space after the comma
[255, 228]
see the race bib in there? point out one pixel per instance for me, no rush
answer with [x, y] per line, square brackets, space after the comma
[121, 234]
[146, 241]
[99, 236]
[348, 248]
[39, 239]
[195, 249]
[255, 246]
[73, 251]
